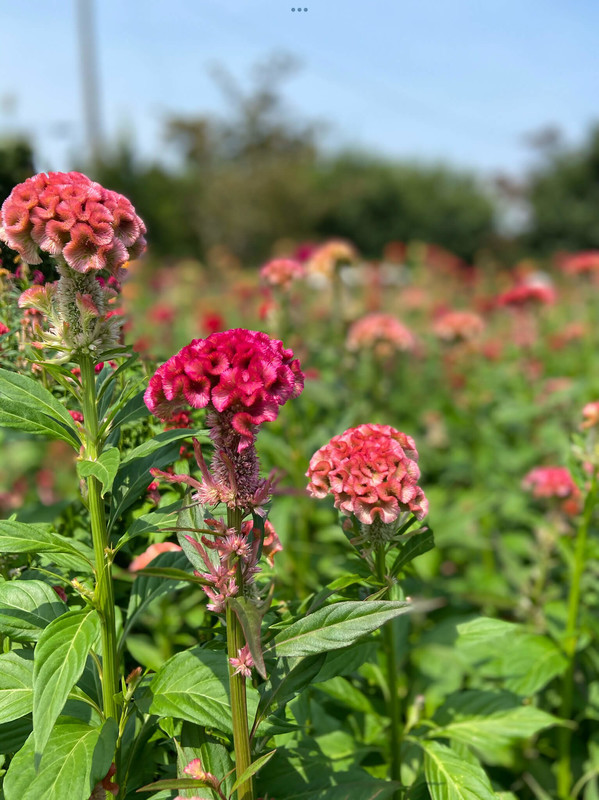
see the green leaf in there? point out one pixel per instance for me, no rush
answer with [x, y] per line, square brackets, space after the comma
[335, 626]
[450, 777]
[21, 537]
[76, 758]
[14, 734]
[23, 398]
[415, 546]
[250, 616]
[194, 685]
[16, 685]
[26, 607]
[134, 409]
[175, 783]
[484, 719]
[149, 523]
[191, 519]
[162, 440]
[104, 468]
[59, 661]
[253, 769]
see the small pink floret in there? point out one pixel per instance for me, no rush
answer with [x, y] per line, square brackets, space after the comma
[372, 473]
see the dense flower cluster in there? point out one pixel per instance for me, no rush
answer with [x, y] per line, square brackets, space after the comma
[527, 294]
[66, 214]
[242, 374]
[585, 263]
[381, 332]
[282, 272]
[455, 326]
[372, 473]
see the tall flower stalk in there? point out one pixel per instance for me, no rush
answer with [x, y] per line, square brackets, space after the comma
[372, 473]
[104, 593]
[242, 378]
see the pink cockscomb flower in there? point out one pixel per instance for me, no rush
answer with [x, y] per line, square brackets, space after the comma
[372, 473]
[382, 333]
[68, 215]
[554, 482]
[591, 415]
[527, 294]
[148, 555]
[584, 263]
[282, 272]
[456, 326]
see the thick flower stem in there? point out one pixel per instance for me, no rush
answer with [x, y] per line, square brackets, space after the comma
[241, 734]
[104, 593]
[389, 645]
[564, 769]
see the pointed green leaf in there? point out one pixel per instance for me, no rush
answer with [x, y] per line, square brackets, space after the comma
[450, 777]
[26, 607]
[16, 685]
[253, 769]
[76, 758]
[250, 616]
[59, 661]
[194, 685]
[335, 626]
[21, 537]
[104, 468]
[175, 783]
[21, 394]
[162, 440]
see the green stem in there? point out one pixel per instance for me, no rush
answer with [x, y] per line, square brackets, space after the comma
[235, 641]
[104, 593]
[564, 767]
[389, 645]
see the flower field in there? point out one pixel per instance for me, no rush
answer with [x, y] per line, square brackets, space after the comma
[319, 529]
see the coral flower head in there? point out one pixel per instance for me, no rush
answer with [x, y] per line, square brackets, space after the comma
[381, 332]
[68, 215]
[282, 272]
[372, 473]
[456, 326]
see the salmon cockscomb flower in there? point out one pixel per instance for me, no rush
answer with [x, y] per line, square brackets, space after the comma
[141, 561]
[70, 216]
[372, 473]
[591, 415]
[554, 482]
[527, 295]
[326, 259]
[382, 333]
[584, 263]
[282, 272]
[459, 326]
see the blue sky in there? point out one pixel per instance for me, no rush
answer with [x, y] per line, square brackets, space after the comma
[459, 80]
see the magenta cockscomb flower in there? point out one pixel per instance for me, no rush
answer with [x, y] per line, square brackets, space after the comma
[550, 482]
[372, 473]
[458, 326]
[67, 215]
[282, 272]
[382, 333]
[242, 375]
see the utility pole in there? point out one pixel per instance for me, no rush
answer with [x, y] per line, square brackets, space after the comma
[89, 77]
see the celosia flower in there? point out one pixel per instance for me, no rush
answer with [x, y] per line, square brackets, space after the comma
[195, 770]
[242, 374]
[381, 332]
[591, 415]
[282, 272]
[66, 214]
[372, 473]
[584, 263]
[455, 326]
[526, 295]
[148, 555]
[327, 258]
[546, 482]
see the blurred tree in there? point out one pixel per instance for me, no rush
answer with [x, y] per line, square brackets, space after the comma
[563, 193]
[16, 164]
